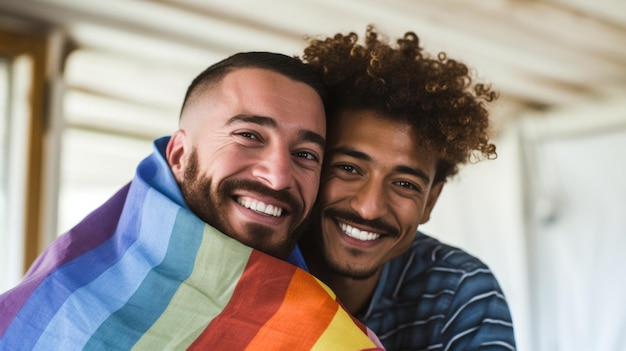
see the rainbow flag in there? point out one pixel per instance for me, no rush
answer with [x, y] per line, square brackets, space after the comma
[142, 272]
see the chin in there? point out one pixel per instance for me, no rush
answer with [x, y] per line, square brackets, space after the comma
[357, 274]
[272, 242]
[340, 267]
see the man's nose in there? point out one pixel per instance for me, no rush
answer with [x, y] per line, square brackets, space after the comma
[370, 201]
[275, 168]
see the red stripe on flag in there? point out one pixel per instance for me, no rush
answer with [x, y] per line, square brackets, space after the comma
[258, 295]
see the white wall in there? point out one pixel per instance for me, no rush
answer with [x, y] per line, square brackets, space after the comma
[549, 217]
[577, 232]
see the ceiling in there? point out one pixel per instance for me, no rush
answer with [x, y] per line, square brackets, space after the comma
[539, 54]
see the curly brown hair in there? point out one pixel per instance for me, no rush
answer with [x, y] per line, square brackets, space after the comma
[434, 95]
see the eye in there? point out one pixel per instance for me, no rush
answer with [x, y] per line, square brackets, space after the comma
[347, 168]
[248, 135]
[248, 138]
[306, 155]
[408, 185]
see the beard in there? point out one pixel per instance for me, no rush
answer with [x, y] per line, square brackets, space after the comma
[341, 267]
[210, 205]
[347, 270]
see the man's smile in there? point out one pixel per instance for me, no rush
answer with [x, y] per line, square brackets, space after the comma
[260, 206]
[357, 233]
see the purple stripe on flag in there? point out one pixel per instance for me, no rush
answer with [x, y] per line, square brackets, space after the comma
[63, 250]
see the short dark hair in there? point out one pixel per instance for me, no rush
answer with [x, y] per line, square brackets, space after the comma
[402, 82]
[291, 67]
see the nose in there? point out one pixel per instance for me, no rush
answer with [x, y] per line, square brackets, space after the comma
[274, 168]
[370, 200]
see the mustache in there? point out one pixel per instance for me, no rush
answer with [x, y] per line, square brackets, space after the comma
[351, 216]
[228, 186]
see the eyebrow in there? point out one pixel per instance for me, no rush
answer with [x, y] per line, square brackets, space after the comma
[365, 157]
[260, 120]
[270, 122]
[313, 137]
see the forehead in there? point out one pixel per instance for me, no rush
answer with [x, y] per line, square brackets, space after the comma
[260, 92]
[385, 141]
[260, 89]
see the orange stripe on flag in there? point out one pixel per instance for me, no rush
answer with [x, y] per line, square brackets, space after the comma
[303, 317]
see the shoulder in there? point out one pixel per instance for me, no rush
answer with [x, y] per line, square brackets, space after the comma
[437, 277]
[452, 295]
[429, 257]
[447, 275]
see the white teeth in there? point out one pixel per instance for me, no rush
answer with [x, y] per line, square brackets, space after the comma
[260, 207]
[358, 234]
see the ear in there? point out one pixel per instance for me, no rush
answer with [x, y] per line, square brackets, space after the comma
[435, 190]
[176, 154]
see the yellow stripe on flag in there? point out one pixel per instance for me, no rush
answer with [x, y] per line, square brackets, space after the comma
[341, 330]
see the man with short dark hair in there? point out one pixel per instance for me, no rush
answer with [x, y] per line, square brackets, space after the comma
[151, 269]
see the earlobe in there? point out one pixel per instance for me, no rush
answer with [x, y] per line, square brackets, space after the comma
[176, 155]
[435, 191]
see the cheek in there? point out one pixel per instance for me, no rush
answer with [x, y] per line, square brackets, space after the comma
[310, 186]
[224, 163]
[409, 217]
[331, 190]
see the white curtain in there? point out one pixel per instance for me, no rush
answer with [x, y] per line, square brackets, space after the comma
[549, 217]
[577, 239]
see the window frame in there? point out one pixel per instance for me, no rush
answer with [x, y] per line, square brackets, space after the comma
[35, 46]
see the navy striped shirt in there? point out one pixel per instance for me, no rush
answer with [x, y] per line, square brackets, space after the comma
[438, 297]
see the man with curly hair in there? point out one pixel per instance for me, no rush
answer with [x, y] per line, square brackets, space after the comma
[402, 124]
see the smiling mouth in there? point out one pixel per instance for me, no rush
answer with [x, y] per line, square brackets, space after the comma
[260, 207]
[358, 234]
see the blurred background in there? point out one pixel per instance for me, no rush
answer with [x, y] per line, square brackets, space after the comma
[86, 85]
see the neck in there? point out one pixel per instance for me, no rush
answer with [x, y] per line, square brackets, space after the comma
[354, 294]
